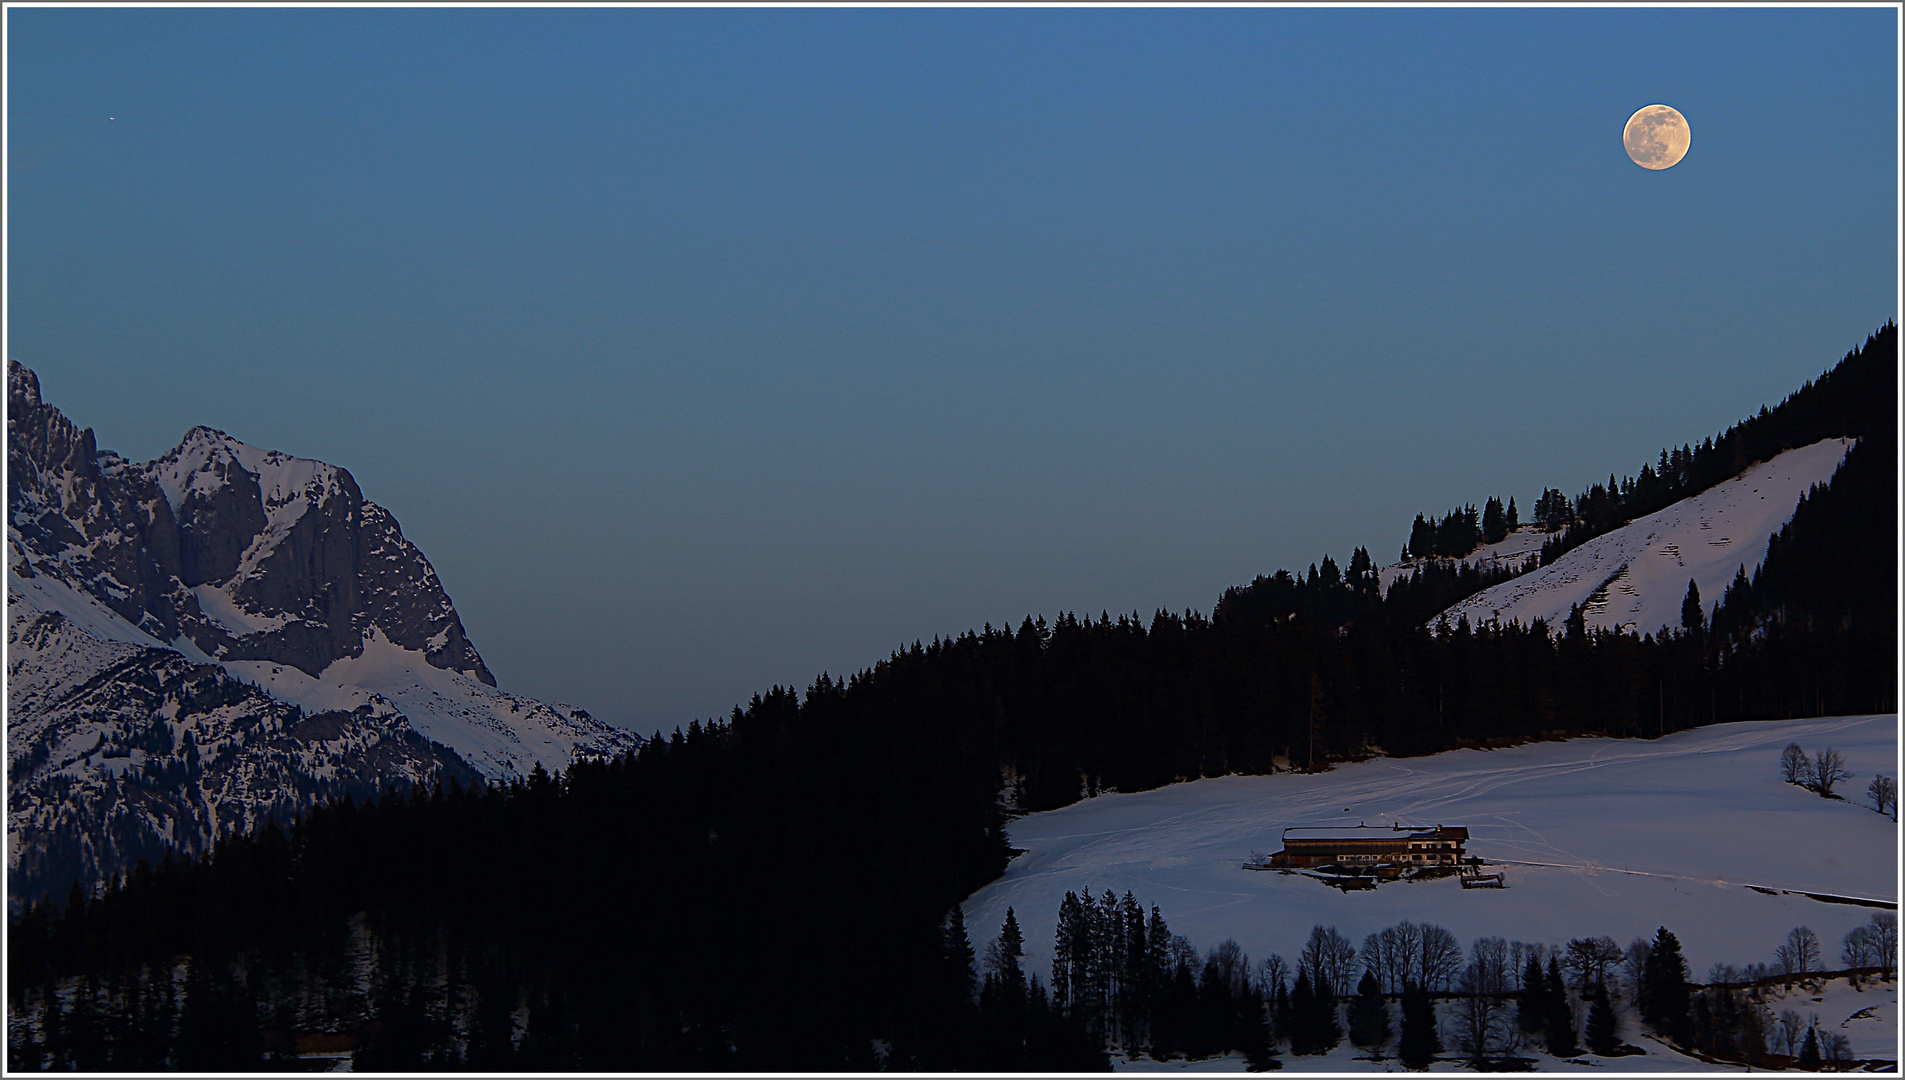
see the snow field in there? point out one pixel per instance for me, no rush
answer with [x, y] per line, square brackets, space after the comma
[1596, 836]
[1635, 578]
[498, 733]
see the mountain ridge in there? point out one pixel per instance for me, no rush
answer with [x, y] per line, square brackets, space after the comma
[221, 635]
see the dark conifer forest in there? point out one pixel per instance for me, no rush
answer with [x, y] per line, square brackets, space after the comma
[779, 889]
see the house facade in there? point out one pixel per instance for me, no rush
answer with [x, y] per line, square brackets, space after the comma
[1394, 848]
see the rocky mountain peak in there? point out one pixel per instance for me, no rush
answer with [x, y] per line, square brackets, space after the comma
[246, 554]
[221, 635]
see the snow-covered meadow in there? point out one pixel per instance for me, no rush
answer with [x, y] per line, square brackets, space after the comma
[1694, 831]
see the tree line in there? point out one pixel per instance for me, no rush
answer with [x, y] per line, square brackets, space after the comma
[1851, 399]
[1461, 531]
[1855, 398]
[1129, 986]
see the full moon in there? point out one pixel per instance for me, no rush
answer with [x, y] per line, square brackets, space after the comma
[1657, 137]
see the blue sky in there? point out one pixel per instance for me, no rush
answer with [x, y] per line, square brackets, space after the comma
[627, 316]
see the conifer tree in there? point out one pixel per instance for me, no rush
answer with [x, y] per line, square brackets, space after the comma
[1157, 985]
[1007, 957]
[1072, 944]
[1705, 1024]
[1494, 521]
[24, 1051]
[1134, 977]
[153, 1021]
[53, 1031]
[85, 1029]
[218, 1031]
[1369, 1015]
[949, 1023]
[1362, 571]
[1305, 1039]
[1664, 999]
[1421, 539]
[1809, 1056]
[1559, 1016]
[959, 956]
[1253, 1030]
[1692, 616]
[1419, 1042]
[1601, 1037]
[1531, 1003]
[1750, 1031]
[1324, 1025]
[1186, 1024]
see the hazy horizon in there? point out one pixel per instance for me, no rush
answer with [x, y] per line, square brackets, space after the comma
[702, 351]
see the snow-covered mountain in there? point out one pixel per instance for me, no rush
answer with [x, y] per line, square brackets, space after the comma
[1635, 577]
[222, 634]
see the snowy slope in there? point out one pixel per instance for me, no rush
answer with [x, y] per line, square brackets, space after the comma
[1596, 836]
[1635, 577]
[1866, 1015]
[501, 735]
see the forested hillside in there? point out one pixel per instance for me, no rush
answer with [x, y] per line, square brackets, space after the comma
[1853, 398]
[771, 891]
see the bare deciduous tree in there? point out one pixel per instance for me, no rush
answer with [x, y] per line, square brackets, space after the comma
[1884, 795]
[1800, 954]
[1860, 949]
[1828, 768]
[1786, 1033]
[1835, 1049]
[1885, 926]
[1591, 959]
[1441, 957]
[1330, 960]
[1794, 766]
[1183, 953]
[1635, 965]
[1230, 964]
[1391, 956]
[1482, 1024]
[1371, 958]
[1272, 973]
[1488, 966]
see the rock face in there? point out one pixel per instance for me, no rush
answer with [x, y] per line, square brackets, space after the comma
[220, 635]
[247, 554]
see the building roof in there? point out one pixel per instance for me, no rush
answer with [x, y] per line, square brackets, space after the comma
[1373, 833]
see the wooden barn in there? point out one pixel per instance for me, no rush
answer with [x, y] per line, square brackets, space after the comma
[1396, 847]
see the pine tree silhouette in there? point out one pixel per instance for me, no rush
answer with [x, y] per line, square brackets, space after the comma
[1558, 1019]
[1369, 1015]
[1664, 999]
[1601, 1038]
[1419, 1042]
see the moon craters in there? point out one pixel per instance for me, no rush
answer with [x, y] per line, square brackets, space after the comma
[1657, 137]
